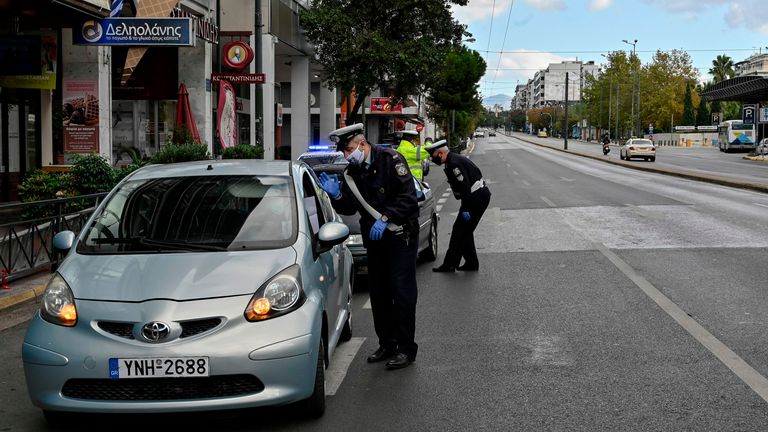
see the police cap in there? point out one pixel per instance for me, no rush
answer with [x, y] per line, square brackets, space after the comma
[436, 145]
[341, 136]
[405, 134]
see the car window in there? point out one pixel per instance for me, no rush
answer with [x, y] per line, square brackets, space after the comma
[642, 142]
[224, 212]
[312, 205]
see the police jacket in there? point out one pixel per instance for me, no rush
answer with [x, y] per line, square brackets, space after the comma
[387, 186]
[412, 155]
[462, 173]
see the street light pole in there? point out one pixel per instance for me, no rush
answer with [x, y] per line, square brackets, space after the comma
[632, 79]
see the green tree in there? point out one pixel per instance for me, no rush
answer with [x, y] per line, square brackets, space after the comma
[722, 68]
[392, 45]
[688, 115]
[455, 90]
[665, 80]
[702, 114]
[517, 119]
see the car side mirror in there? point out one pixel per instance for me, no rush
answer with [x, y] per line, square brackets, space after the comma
[420, 196]
[330, 235]
[63, 241]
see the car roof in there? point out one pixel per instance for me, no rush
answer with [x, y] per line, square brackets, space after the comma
[320, 153]
[215, 167]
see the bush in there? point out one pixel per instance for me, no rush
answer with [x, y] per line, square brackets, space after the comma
[172, 153]
[91, 174]
[243, 151]
[41, 185]
[123, 172]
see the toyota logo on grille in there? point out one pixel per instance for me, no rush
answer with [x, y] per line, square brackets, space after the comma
[155, 331]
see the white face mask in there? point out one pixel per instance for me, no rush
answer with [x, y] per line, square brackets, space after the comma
[356, 156]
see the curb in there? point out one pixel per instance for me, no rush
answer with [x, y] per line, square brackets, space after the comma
[21, 297]
[759, 187]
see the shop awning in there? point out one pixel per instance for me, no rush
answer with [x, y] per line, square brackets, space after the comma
[95, 8]
[749, 89]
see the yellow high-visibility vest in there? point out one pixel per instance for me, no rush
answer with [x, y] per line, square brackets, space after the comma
[413, 156]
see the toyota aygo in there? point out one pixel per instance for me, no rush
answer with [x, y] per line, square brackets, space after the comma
[196, 286]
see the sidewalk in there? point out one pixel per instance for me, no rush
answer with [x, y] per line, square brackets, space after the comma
[24, 289]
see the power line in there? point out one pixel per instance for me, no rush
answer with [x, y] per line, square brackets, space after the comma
[490, 30]
[605, 51]
[503, 42]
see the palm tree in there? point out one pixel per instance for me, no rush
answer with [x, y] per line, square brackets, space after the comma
[722, 68]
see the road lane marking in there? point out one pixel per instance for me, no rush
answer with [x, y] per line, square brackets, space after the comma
[761, 205]
[442, 200]
[515, 173]
[566, 179]
[730, 359]
[549, 203]
[342, 358]
[367, 304]
[438, 208]
[525, 182]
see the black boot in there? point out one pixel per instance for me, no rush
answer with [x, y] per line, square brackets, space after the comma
[444, 269]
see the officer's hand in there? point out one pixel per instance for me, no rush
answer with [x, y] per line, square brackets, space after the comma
[465, 215]
[330, 185]
[377, 230]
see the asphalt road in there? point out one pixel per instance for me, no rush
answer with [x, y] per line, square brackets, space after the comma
[608, 299]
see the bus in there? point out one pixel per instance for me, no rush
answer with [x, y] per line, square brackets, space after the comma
[735, 135]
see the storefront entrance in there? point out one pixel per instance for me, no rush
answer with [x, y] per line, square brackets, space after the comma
[20, 149]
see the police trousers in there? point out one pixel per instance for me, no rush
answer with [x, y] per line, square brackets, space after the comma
[462, 243]
[393, 292]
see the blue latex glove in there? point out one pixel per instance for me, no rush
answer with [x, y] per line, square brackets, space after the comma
[330, 185]
[377, 230]
[465, 215]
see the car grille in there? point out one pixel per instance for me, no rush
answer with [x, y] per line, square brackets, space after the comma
[162, 389]
[192, 328]
[124, 330]
[188, 328]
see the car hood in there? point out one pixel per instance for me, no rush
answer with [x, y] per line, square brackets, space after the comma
[176, 276]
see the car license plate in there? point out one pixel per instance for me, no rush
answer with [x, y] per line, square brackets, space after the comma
[165, 367]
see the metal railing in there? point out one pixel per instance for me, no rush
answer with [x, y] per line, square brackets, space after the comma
[27, 230]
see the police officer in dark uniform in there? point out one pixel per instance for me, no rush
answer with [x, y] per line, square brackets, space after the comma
[383, 193]
[467, 185]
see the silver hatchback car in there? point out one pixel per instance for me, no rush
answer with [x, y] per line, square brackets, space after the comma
[195, 286]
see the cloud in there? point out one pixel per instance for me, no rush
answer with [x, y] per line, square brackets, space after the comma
[547, 5]
[596, 5]
[479, 10]
[749, 14]
[515, 66]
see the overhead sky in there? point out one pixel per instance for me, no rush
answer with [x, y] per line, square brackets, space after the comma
[539, 32]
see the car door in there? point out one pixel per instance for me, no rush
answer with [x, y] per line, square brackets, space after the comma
[325, 272]
[426, 206]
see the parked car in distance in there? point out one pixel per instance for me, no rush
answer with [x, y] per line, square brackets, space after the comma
[638, 147]
[428, 221]
[491, 133]
[542, 134]
[478, 134]
[196, 286]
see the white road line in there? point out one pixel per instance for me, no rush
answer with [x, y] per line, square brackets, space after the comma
[549, 203]
[515, 172]
[566, 179]
[442, 200]
[438, 208]
[761, 205]
[367, 304]
[730, 359]
[525, 182]
[337, 369]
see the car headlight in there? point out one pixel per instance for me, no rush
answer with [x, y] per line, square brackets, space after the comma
[57, 305]
[278, 296]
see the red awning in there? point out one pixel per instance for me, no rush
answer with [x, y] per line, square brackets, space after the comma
[184, 116]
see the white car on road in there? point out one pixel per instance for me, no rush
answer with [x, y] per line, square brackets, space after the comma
[636, 148]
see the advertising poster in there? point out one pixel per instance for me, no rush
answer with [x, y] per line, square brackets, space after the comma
[227, 115]
[81, 116]
[44, 75]
[384, 104]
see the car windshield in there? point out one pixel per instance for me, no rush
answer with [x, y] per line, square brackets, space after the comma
[641, 142]
[206, 213]
[322, 159]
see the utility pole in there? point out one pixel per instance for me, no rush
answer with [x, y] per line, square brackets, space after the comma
[565, 121]
[610, 105]
[617, 111]
[632, 79]
[581, 99]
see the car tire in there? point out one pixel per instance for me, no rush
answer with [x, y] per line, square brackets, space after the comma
[346, 331]
[430, 253]
[314, 406]
[653, 159]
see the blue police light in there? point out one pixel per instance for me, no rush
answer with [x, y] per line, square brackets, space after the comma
[318, 148]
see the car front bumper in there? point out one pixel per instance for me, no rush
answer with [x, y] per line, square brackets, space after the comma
[272, 362]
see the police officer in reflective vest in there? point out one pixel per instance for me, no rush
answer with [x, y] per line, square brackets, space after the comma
[379, 186]
[411, 151]
[467, 185]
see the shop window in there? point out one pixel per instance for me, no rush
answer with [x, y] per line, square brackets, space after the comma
[140, 127]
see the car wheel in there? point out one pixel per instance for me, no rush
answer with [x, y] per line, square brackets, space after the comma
[346, 331]
[314, 406]
[430, 253]
[653, 159]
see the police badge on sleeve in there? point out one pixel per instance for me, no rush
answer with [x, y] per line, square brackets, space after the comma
[458, 174]
[401, 169]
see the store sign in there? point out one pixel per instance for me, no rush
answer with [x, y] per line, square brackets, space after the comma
[18, 71]
[205, 28]
[237, 55]
[257, 78]
[748, 114]
[81, 116]
[136, 32]
[384, 104]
